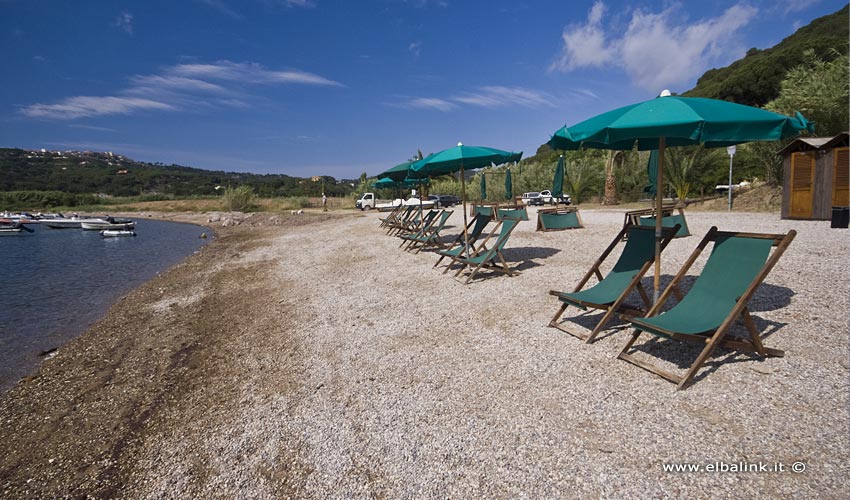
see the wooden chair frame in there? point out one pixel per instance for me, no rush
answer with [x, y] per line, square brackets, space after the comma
[717, 338]
[494, 253]
[460, 238]
[618, 306]
[541, 226]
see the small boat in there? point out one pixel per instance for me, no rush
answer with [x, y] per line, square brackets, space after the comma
[100, 225]
[114, 233]
[69, 222]
[12, 228]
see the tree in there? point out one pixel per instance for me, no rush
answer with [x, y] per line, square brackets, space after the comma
[818, 89]
[611, 198]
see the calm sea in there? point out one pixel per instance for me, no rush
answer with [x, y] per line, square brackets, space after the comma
[57, 282]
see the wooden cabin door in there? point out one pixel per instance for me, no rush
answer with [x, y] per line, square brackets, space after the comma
[841, 179]
[802, 185]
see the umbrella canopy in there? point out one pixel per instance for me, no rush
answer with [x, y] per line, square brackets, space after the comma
[509, 185]
[459, 158]
[558, 180]
[681, 121]
[398, 172]
[387, 182]
[483, 187]
[677, 121]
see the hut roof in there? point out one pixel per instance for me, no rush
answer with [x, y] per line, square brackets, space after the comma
[814, 143]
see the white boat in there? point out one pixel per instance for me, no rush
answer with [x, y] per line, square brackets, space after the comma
[11, 231]
[105, 224]
[113, 233]
[71, 222]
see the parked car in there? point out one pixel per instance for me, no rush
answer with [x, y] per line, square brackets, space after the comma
[552, 200]
[532, 198]
[444, 200]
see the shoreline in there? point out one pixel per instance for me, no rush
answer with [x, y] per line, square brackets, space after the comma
[281, 361]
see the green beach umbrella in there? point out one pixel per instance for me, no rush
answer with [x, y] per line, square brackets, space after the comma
[398, 172]
[509, 185]
[483, 187]
[558, 180]
[676, 121]
[652, 173]
[460, 158]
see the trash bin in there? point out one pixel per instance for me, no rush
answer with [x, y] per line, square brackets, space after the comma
[840, 217]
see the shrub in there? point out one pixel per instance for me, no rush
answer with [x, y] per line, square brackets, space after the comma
[238, 199]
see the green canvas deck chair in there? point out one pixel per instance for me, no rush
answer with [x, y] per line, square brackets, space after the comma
[428, 235]
[491, 257]
[483, 208]
[558, 219]
[418, 221]
[738, 264]
[611, 292]
[474, 230]
[394, 224]
[646, 217]
[427, 221]
[393, 216]
[512, 213]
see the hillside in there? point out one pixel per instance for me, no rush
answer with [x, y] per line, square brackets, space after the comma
[754, 80]
[115, 175]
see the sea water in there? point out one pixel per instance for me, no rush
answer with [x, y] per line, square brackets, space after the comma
[56, 282]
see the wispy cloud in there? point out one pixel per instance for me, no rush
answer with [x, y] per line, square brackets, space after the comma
[92, 127]
[429, 103]
[222, 7]
[657, 50]
[789, 6]
[493, 96]
[88, 106]
[125, 22]
[293, 3]
[415, 48]
[182, 86]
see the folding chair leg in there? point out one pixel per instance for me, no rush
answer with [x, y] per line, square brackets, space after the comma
[554, 321]
[754, 334]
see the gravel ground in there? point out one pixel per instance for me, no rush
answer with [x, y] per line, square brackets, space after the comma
[312, 358]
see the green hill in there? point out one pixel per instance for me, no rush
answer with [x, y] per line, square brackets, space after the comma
[81, 172]
[754, 80]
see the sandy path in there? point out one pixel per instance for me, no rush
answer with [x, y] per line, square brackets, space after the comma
[317, 360]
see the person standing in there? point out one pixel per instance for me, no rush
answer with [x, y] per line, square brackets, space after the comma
[324, 203]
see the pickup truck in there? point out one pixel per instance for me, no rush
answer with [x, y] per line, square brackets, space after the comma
[552, 200]
[368, 201]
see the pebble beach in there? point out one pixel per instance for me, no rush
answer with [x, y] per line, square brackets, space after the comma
[307, 356]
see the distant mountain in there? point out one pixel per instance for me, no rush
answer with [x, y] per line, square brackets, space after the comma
[754, 80]
[95, 172]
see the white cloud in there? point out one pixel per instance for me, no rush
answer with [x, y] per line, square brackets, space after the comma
[584, 45]
[125, 22]
[430, 103]
[494, 96]
[415, 48]
[499, 96]
[86, 106]
[796, 5]
[183, 86]
[250, 73]
[657, 50]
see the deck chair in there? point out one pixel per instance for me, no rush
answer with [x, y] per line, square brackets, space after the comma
[419, 221]
[473, 230]
[392, 216]
[610, 293]
[400, 219]
[427, 222]
[738, 264]
[490, 257]
[512, 213]
[558, 219]
[646, 217]
[429, 234]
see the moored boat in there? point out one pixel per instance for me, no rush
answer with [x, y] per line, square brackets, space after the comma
[113, 233]
[100, 225]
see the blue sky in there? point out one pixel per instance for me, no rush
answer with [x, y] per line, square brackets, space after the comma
[321, 87]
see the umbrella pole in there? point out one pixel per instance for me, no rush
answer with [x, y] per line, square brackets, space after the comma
[659, 195]
[463, 200]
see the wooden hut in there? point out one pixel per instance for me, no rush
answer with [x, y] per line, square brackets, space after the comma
[816, 177]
